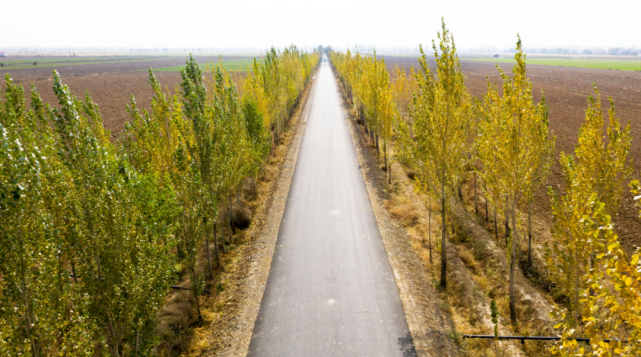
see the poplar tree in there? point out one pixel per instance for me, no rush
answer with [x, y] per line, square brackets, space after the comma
[442, 120]
[512, 145]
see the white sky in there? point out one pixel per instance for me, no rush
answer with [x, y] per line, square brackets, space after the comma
[261, 23]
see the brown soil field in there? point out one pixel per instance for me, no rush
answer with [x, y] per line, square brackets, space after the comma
[108, 84]
[566, 91]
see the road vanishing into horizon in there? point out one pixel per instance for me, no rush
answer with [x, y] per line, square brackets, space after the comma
[330, 291]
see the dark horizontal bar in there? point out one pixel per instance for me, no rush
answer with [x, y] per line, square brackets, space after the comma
[540, 338]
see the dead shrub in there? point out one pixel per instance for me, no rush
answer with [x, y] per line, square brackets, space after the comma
[467, 257]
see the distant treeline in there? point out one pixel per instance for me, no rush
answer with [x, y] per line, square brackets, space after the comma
[612, 51]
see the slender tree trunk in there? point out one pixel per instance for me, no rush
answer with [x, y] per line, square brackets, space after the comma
[231, 236]
[388, 165]
[507, 223]
[496, 225]
[590, 290]
[194, 290]
[487, 211]
[576, 285]
[443, 234]
[216, 246]
[529, 236]
[512, 268]
[476, 206]
[378, 151]
[385, 156]
[73, 271]
[429, 225]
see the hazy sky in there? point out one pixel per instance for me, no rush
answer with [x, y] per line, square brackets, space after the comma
[261, 23]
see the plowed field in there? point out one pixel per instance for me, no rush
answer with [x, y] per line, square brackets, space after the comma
[566, 91]
[109, 82]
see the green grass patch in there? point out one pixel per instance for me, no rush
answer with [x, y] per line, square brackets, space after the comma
[623, 65]
[239, 65]
[68, 59]
[53, 63]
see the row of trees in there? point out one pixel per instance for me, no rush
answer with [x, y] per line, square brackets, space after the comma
[92, 231]
[504, 139]
[368, 84]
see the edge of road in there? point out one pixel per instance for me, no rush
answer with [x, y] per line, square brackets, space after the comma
[231, 337]
[430, 326]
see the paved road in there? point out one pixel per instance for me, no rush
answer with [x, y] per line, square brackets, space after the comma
[330, 290]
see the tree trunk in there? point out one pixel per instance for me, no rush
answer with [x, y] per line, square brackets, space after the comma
[385, 156]
[496, 225]
[487, 211]
[512, 268]
[443, 234]
[507, 224]
[387, 163]
[476, 206]
[576, 285]
[378, 151]
[429, 225]
[194, 290]
[73, 271]
[231, 236]
[216, 246]
[529, 236]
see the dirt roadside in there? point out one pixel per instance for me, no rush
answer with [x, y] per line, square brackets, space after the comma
[245, 281]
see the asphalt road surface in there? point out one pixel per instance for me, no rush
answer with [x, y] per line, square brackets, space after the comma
[330, 290]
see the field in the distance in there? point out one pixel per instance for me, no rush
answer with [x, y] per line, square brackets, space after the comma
[238, 65]
[610, 64]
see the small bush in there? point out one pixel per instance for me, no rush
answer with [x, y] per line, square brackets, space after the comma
[35, 63]
[467, 257]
